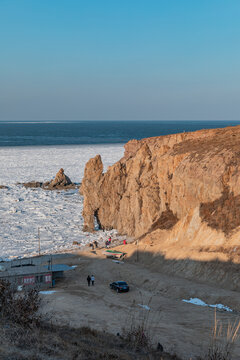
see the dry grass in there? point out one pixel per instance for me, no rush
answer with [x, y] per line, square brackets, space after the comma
[24, 336]
[222, 341]
[61, 342]
[137, 330]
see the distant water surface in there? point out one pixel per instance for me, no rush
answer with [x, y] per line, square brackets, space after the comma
[94, 132]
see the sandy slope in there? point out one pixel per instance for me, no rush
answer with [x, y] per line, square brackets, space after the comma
[182, 328]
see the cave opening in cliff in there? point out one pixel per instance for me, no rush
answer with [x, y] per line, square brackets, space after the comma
[97, 221]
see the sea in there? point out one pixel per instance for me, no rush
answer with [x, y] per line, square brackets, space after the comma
[35, 151]
[42, 133]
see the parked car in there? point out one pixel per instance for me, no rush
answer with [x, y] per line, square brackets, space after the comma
[119, 286]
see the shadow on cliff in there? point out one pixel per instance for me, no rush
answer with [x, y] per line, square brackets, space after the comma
[224, 274]
[212, 272]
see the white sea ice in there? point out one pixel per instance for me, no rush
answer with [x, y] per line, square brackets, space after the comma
[54, 215]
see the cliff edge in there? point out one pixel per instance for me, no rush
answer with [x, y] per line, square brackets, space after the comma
[182, 189]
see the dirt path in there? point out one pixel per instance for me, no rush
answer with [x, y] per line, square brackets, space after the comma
[181, 328]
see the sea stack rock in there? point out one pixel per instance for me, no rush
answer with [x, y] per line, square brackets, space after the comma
[61, 181]
[183, 187]
[92, 175]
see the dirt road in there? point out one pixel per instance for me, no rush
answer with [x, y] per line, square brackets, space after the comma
[182, 328]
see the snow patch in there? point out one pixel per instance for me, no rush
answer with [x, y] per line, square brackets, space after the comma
[144, 306]
[47, 292]
[199, 302]
[221, 307]
[195, 301]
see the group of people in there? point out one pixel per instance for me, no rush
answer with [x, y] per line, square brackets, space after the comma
[90, 279]
[94, 244]
[108, 242]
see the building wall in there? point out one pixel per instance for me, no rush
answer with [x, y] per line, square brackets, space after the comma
[30, 281]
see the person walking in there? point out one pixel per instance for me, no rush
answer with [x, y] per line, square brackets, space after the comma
[92, 279]
[88, 280]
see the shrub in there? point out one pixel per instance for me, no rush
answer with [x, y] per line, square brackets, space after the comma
[19, 308]
[137, 332]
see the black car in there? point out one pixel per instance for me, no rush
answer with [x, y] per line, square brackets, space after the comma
[120, 286]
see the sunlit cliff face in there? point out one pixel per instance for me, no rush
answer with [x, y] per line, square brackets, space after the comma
[183, 188]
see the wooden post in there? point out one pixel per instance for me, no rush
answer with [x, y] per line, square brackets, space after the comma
[39, 247]
[137, 251]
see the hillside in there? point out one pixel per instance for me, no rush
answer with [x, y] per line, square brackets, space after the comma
[178, 194]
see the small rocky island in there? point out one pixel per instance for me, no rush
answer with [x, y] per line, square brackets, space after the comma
[60, 182]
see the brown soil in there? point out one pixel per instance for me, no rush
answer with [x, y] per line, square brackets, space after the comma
[205, 141]
[183, 329]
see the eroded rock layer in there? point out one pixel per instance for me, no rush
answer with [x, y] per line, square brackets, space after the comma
[188, 181]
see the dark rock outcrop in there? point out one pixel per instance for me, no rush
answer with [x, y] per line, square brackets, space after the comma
[33, 184]
[3, 187]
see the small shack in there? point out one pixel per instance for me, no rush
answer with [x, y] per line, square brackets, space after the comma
[32, 272]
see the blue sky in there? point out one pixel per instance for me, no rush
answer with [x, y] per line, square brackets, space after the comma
[128, 59]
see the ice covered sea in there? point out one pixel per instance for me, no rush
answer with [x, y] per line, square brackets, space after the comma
[57, 215]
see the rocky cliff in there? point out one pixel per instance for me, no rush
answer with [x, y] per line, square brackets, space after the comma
[183, 188]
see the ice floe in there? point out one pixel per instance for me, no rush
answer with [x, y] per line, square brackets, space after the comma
[54, 215]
